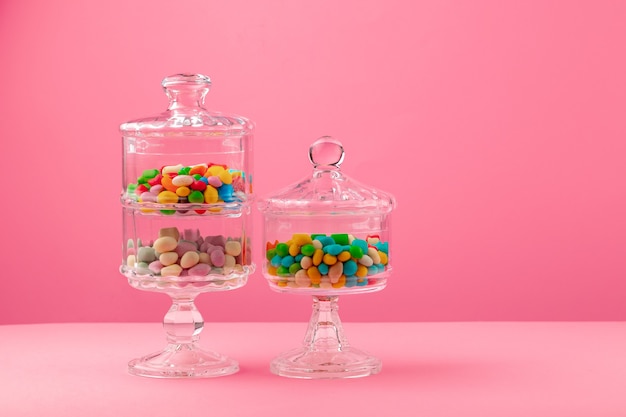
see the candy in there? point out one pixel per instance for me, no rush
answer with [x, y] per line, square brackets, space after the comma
[232, 247]
[165, 244]
[146, 254]
[168, 258]
[189, 259]
[173, 270]
[336, 261]
[182, 180]
[188, 254]
[167, 197]
[217, 258]
[196, 184]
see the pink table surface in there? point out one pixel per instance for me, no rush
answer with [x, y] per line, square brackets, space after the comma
[429, 369]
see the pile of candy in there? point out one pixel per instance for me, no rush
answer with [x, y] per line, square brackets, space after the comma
[189, 254]
[320, 261]
[197, 184]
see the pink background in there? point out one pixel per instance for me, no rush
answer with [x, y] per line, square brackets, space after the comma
[499, 127]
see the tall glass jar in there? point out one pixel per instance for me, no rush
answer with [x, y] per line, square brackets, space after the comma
[186, 198]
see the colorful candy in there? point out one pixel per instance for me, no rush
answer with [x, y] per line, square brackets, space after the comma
[321, 261]
[187, 254]
[197, 184]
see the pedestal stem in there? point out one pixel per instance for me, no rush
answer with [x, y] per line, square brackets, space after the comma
[183, 357]
[183, 322]
[325, 332]
[325, 352]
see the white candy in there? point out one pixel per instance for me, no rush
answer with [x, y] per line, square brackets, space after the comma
[366, 261]
[172, 169]
[168, 258]
[306, 262]
[171, 270]
[233, 248]
[229, 261]
[204, 258]
[165, 244]
[189, 259]
[373, 253]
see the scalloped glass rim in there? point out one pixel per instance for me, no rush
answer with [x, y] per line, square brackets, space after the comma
[149, 281]
[214, 209]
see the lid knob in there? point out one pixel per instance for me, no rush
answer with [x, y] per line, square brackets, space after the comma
[326, 151]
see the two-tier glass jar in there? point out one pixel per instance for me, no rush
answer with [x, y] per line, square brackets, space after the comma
[186, 198]
[325, 236]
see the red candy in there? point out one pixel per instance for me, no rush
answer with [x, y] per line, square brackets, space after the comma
[198, 185]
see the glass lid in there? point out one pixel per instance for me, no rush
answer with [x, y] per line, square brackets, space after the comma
[327, 190]
[186, 112]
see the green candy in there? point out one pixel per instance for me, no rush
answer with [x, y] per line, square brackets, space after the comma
[356, 252]
[270, 254]
[341, 238]
[184, 171]
[295, 267]
[307, 250]
[196, 197]
[282, 249]
[150, 173]
[282, 271]
[131, 188]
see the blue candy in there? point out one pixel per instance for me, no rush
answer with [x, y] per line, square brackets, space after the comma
[371, 270]
[225, 193]
[323, 268]
[349, 268]
[350, 281]
[287, 261]
[299, 257]
[276, 261]
[383, 247]
[361, 282]
[333, 249]
[325, 240]
[361, 244]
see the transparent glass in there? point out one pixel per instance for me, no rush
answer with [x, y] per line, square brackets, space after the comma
[326, 236]
[186, 198]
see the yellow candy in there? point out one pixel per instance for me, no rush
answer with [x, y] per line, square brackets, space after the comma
[272, 270]
[318, 255]
[383, 257]
[314, 274]
[210, 194]
[329, 259]
[341, 282]
[167, 197]
[361, 271]
[282, 283]
[214, 170]
[226, 177]
[294, 249]
[301, 239]
[344, 256]
[183, 191]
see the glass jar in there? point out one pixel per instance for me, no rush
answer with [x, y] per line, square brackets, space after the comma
[325, 236]
[338, 226]
[186, 198]
[187, 174]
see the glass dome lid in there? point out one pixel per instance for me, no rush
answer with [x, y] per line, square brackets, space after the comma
[186, 113]
[327, 190]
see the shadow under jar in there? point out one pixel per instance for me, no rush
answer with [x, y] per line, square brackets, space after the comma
[326, 236]
[186, 198]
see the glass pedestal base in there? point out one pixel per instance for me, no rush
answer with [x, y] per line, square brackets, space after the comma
[347, 363]
[183, 361]
[326, 352]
